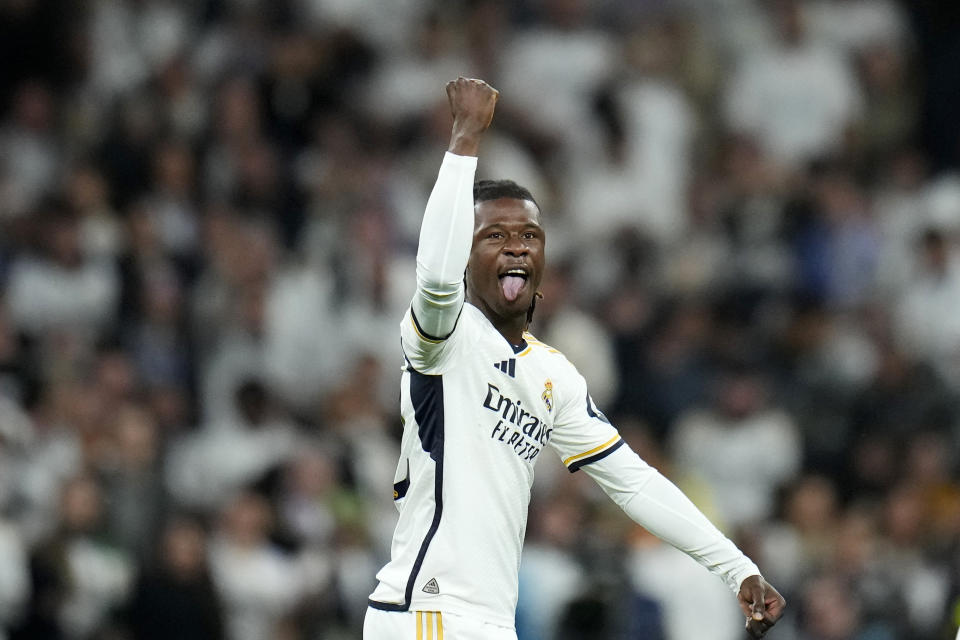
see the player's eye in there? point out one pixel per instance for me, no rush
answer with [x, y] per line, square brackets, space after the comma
[495, 235]
[529, 235]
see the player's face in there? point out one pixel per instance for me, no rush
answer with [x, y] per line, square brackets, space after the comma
[506, 262]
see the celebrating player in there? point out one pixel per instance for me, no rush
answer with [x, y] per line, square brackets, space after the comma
[481, 399]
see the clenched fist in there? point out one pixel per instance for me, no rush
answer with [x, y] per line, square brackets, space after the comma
[761, 604]
[472, 103]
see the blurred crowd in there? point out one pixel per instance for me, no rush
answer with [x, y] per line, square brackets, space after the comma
[208, 220]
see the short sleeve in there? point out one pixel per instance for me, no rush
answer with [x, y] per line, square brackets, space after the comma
[581, 433]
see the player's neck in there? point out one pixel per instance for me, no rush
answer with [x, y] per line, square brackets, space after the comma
[513, 333]
[511, 327]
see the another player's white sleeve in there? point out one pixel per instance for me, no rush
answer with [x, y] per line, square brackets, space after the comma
[446, 236]
[660, 507]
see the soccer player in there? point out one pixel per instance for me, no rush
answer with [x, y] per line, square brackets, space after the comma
[481, 398]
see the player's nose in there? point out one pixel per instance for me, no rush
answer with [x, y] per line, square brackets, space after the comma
[515, 247]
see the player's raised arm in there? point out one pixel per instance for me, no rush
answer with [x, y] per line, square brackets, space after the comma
[446, 233]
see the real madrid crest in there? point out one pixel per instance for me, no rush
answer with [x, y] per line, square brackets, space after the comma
[548, 394]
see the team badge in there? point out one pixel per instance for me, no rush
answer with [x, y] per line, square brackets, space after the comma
[548, 394]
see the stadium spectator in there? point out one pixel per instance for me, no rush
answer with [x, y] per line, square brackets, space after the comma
[925, 322]
[798, 96]
[206, 468]
[257, 583]
[174, 596]
[59, 290]
[78, 581]
[722, 443]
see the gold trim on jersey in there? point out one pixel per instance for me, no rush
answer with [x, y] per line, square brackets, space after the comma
[429, 627]
[533, 341]
[605, 445]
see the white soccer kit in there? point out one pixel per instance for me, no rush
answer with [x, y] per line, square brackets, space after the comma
[478, 413]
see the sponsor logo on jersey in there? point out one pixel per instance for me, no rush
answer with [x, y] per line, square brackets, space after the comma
[547, 396]
[517, 427]
[431, 587]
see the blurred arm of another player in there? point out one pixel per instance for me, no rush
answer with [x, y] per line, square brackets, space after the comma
[446, 233]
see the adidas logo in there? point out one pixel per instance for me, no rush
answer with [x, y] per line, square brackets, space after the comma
[432, 587]
[509, 367]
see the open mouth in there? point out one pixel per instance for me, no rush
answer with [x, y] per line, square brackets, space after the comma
[512, 282]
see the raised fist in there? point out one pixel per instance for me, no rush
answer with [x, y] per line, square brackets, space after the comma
[472, 103]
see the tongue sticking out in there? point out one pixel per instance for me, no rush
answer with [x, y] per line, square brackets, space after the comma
[511, 286]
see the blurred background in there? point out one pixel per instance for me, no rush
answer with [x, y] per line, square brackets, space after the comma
[208, 219]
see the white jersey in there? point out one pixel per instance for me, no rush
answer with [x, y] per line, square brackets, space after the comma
[478, 413]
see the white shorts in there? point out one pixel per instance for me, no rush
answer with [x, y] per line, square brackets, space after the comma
[429, 625]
